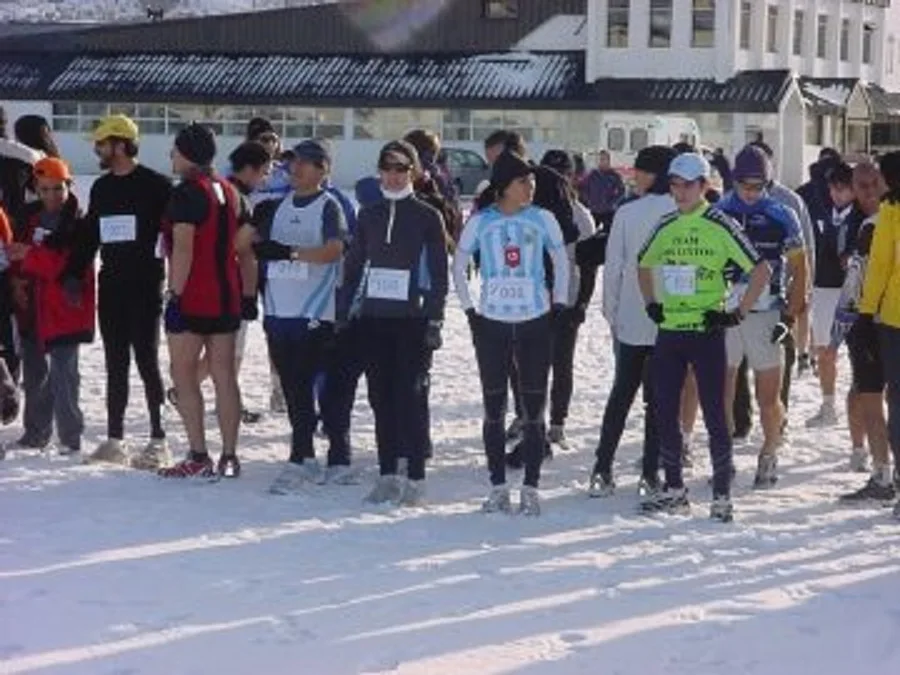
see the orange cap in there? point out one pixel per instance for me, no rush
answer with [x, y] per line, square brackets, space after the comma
[52, 168]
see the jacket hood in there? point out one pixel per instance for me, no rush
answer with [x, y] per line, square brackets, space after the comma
[16, 150]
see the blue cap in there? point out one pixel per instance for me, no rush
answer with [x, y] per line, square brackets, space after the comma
[690, 166]
[313, 151]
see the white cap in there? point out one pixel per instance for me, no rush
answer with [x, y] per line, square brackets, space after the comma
[690, 166]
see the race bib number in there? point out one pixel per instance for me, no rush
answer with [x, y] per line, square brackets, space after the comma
[117, 229]
[387, 284]
[679, 280]
[289, 269]
[506, 289]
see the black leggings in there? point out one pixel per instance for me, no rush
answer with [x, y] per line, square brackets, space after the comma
[497, 345]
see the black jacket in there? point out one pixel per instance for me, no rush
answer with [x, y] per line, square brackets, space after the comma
[16, 161]
[406, 235]
[833, 245]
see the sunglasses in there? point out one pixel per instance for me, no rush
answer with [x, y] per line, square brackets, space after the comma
[395, 168]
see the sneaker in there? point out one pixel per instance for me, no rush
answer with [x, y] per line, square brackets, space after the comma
[557, 436]
[29, 443]
[386, 489]
[111, 451]
[340, 475]
[602, 485]
[277, 404]
[412, 494]
[647, 485]
[859, 460]
[529, 501]
[826, 417]
[69, 451]
[290, 480]
[673, 501]
[766, 472]
[229, 466]
[191, 467]
[721, 509]
[497, 501]
[154, 456]
[875, 490]
[249, 417]
[514, 431]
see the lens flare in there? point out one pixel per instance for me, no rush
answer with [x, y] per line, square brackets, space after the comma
[391, 24]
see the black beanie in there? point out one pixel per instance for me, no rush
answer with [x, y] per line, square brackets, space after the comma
[197, 144]
[507, 167]
[655, 159]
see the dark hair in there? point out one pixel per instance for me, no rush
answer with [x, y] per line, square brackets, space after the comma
[510, 140]
[889, 163]
[249, 153]
[840, 174]
[829, 153]
[765, 147]
[683, 148]
[578, 161]
[34, 131]
[129, 147]
[426, 143]
[258, 126]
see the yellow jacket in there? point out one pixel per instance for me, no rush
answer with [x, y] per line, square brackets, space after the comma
[881, 291]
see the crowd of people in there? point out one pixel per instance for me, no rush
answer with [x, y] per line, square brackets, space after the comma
[700, 289]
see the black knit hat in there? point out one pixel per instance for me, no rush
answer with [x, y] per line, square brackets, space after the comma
[508, 167]
[655, 159]
[197, 144]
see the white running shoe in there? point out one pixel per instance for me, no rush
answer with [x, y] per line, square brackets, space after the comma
[529, 501]
[153, 457]
[386, 489]
[290, 480]
[859, 460]
[111, 451]
[497, 501]
[826, 417]
[413, 494]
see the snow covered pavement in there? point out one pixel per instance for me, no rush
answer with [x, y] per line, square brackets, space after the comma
[106, 571]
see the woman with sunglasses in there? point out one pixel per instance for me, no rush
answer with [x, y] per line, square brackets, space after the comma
[54, 309]
[515, 317]
[395, 285]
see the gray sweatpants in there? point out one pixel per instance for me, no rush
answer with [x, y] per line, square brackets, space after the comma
[52, 384]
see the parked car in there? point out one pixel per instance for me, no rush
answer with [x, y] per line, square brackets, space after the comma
[466, 167]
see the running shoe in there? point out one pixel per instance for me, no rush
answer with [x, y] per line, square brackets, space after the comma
[386, 489]
[412, 495]
[673, 501]
[875, 490]
[859, 460]
[556, 435]
[721, 509]
[529, 502]
[601, 485]
[497, 501]
[229, 466]
[766, 472]
[153, 457]
[191, 467]
[826, 417]
[111, 451]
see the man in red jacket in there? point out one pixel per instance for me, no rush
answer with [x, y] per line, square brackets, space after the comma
[55, 310]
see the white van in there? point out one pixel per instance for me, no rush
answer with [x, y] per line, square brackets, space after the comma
[623, 136]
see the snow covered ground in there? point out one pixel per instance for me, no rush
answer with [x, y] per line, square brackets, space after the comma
[107, 571]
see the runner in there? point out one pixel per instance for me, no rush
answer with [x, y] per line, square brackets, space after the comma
[16, 162]
[603, 190]
[835, 239]
[209, 293]
[634, 334]
[124, 220]
[774, 231]
[866, 412]
[515, 319]
[881, 297]
[9, 360]
[55, 310]
[395, 285]
[688, 257]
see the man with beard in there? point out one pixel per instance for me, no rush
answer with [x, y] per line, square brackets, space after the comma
[124, 219]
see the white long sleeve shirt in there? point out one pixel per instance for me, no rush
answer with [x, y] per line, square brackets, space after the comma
[623, 304]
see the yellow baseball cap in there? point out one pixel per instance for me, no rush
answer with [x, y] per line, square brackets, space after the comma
[116, 126]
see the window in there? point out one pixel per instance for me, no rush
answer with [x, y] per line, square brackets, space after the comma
[845, 40]
[868, 35]
[798, 32]
[821, 35]
[772, 29]
[815, 129]
[615, 139]
[639, 139]
[891, 55]
[501, 9]
[746, 22]
[660, 23]
[617, 23]
[703, 31]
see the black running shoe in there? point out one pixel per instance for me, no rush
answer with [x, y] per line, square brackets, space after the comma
[872, 491]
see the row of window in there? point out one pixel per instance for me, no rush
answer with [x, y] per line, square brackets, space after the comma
[333, 123]
[799, 36]
[703, 23]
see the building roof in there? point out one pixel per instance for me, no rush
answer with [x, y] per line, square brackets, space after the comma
[748, 91]
[885, 104]
[350, 27]
[827, 95]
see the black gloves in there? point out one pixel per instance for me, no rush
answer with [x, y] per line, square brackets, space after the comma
[271, 250]
[655, 312]
[717, 319]
[433, 339]
[249, 309]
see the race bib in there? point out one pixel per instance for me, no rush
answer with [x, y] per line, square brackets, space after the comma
[388, 284]
[117, 229]
[509, 289]
[679, 280]
[289, 269]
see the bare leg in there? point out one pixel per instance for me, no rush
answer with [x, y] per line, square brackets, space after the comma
[827, 372]
[184, 353]
[872, 409]
[771, 411]
[220, 349]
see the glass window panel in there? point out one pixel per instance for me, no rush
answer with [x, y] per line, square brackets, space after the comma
[367, 123]
[821, 35]
[152, 126]
[147, 111]
[456, 132]
[65, 124]
[639, 139]
[703, 20]
[65, 108]
[799, 16]
[615, 139]
[660, 23]
[122, 109]
[617, 23]
[868, 36]
[96, 110]
[458, 117]
[772, 29]
[845, 39]
[746, 22]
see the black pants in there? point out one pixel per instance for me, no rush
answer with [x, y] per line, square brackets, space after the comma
[344, 368]
[298, 356]
[497, 345]
[743, 405]
[396, 366]
[565, 337]
[632, 371]
[130, 319]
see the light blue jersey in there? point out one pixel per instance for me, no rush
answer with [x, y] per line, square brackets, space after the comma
[512, 266]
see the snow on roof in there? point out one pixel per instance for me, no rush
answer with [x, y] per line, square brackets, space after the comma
[835, 93]
[563, 31]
